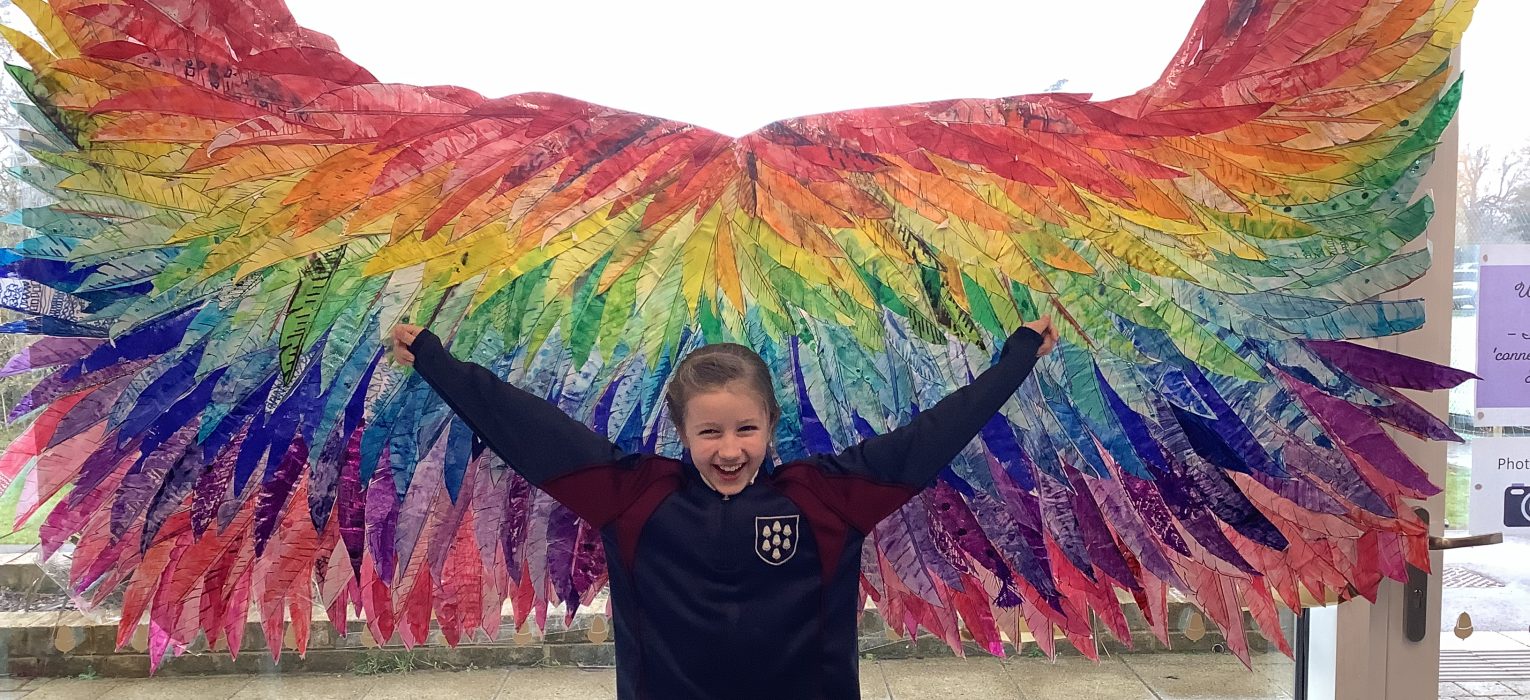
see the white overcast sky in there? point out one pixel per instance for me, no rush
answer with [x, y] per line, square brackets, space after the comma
[736, 65]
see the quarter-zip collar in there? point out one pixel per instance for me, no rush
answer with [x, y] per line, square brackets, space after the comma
[696, 472]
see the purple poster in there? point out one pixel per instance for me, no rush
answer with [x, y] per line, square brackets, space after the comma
[1503, 336]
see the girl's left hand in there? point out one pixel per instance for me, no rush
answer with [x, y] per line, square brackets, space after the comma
[403, 337]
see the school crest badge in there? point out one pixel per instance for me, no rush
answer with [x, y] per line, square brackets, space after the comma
[776, 537]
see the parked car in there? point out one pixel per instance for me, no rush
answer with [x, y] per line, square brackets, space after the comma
[1463, 295]
[1464, 288]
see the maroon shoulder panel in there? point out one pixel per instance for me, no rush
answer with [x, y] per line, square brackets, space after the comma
[832, 504]
[610, 494]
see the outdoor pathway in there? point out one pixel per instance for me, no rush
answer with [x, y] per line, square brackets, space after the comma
[1140, 677]
[1163, 676]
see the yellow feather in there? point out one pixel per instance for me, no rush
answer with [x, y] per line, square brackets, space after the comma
[697, 268]
[727, 266]
[166, 193]
[32, 52]
[48, 25]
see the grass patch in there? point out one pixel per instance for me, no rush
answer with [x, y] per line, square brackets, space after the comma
[380, 663]
[28, 533]
[1458, 487]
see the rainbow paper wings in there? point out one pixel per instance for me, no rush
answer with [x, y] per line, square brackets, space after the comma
[242, 214]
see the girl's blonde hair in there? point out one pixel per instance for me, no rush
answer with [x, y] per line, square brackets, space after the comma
[713, 367]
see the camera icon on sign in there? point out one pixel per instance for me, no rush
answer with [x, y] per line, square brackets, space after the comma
[1516, 506]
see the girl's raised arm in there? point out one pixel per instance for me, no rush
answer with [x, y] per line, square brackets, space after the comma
[532, 435]
[884, 471]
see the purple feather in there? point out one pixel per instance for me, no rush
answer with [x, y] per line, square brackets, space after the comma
[381, 517]
[415, 510]
[542, 506]
[97, 467]
[952, 512]
[1104, 553]
[1389, 368]
[62, 382]
[1361, 433]
[351, 502]
[143, 480]
[274, 492]
[1302, 492]
[1214, 492]
[936, 549]
[1024, 510]
[896, 540]
[1334, 470]
[1057, 514]
[1117, 508]
[1184, 501]
[48, 351]
[1149, 504]
[324, 478]
[89, 411]
[562, 533]
[172, 495]
[1005, 535]
[490, 500]
[589, 563]
[212, 487]
[870, 569]
[518, 499]
[1022, 505]
[445, 534]
[944, 524]
[1407, 415]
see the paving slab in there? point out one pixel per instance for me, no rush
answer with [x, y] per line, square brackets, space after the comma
[1485, 689]
[1210, 677]
[874, 682]
[1491, 608]
[71, 689]
[1131, 677]
[559, 684]
[1482, 641]
[457, 685]
[316, 686]
[1518, 637]
[205, 688]
[1072, 677]
[944, 679]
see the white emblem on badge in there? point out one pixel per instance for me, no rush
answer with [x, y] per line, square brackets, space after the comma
[776, 538]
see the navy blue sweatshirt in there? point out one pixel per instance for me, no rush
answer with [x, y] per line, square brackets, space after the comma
[749, 596]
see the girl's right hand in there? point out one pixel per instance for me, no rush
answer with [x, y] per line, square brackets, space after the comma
[403, 337]
[1043, 327]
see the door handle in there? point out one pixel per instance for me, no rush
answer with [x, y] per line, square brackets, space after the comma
[1436, 543]
[1416, 590]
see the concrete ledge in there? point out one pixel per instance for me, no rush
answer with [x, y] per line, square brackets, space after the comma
[22, 571]
[72, 643]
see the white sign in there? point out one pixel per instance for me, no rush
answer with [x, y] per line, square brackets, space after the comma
[1500, 497]
[1503, 335]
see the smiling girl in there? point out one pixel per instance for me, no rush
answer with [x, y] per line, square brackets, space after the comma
[726, 581]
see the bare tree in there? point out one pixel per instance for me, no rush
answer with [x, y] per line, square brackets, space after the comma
[1493, 196]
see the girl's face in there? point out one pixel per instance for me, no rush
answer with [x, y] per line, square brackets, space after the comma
[727, 432]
